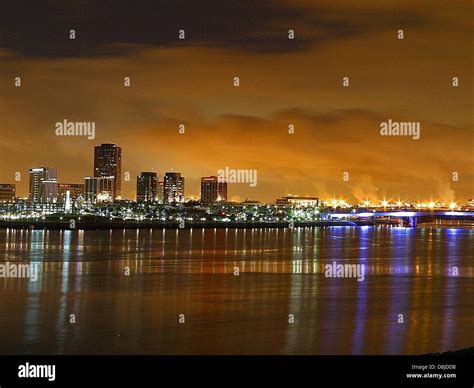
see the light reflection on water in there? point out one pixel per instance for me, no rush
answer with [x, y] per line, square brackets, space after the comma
[408, 271]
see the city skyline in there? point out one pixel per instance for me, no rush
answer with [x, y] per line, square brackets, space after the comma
[360, 188]
[173, 103]
[260, 179]
[160, 185]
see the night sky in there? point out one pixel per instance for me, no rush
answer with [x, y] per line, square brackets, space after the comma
[282, 82]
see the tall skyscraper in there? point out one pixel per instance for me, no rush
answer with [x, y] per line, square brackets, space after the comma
[173, 187]
[160, 192]
[146, 187]
[7, 192]
[108, 163]
[90, 189]
[43, 185]
[212, 190]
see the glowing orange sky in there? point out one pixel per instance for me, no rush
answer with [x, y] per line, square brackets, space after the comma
[190, 82]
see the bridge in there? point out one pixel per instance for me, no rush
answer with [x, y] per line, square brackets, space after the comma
[411, 217]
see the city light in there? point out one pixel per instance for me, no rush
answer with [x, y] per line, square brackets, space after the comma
[104, 204]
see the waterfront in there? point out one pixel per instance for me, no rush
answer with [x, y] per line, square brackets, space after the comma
[281, 272]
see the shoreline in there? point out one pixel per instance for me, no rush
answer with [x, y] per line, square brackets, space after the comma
[107, 224]
[132, 224]
[469, 351]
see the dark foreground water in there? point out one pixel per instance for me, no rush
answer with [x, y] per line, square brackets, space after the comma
[191, 272]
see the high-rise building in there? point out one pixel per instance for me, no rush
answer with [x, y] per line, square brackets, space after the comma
[173, 187]
[160, 192]
[146, 187]
[76, 191]
[99, 189]
[90, 189]
[213, 190]
[108, 163]
[7, 192]
[43, 185]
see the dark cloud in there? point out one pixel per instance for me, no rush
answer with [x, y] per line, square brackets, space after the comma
[107, 28]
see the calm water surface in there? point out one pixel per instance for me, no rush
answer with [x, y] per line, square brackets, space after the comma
[191, 272]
